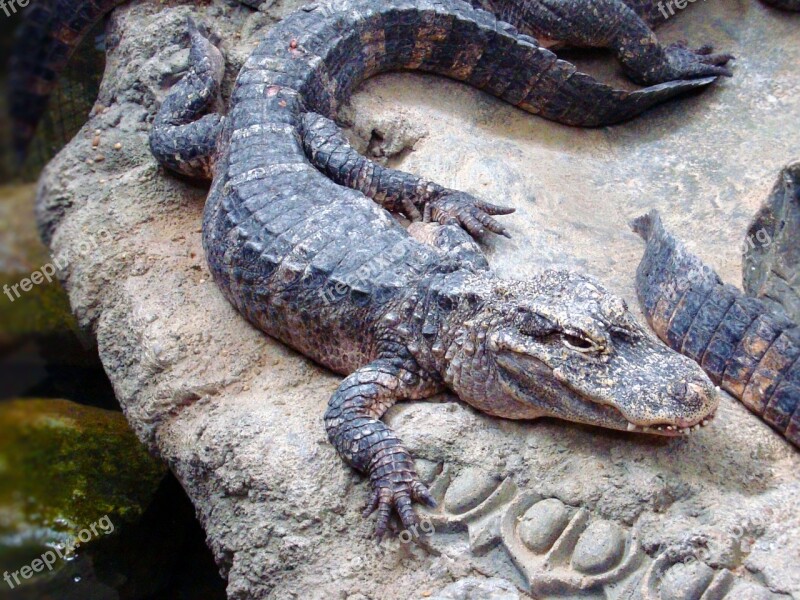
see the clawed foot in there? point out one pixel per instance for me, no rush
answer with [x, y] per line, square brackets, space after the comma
[468, 212]
[686, 63]
[398, 492]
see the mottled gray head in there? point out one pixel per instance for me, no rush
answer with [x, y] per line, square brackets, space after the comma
[562, 346]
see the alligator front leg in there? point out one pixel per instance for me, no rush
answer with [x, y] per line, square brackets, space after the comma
[369, 445]
[180, 140]
[614, 25]
[397, 191]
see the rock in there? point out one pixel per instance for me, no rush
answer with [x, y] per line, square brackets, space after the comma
[238, 417]
[39, 337]
[469, 489]
[599, 548]
[72, 477]
[66, 467]
[473, 588]
[686, 581]
[43, 309]
[543, 523]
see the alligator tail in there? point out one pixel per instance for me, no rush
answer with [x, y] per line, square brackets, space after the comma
[52, 29]
[745, 347]
[45, 40]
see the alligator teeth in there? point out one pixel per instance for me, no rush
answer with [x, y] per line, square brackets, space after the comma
[632, 427]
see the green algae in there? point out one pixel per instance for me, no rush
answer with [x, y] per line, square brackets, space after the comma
[44, 309]
[64, 466]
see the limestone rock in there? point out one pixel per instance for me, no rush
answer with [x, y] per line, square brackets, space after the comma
[473, 588]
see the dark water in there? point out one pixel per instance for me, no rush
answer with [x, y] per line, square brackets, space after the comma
[163, 555]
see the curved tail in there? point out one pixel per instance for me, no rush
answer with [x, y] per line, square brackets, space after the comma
[771, 265]
[45, 40]
[743, 346]
[52, 29]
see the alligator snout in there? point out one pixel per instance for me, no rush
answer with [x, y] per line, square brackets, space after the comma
[685, 405]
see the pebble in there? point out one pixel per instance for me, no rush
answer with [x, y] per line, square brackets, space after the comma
[686, 581]
[542, 523]
[468, 490]
[600, 548]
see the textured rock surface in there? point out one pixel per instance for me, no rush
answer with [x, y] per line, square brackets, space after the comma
[239, 417]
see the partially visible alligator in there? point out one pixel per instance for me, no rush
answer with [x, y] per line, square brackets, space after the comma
[53, 28]
[742, 343]
[623, 26]
[771, 266]
[298, 238]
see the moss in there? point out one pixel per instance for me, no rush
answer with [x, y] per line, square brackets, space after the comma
[64, 466]
[45, 308]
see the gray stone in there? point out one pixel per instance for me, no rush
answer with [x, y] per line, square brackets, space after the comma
[686, 581]
[543, 523]
[599, 548]
[749, 591]
[238, 417]
[469, 489]
[473, 588]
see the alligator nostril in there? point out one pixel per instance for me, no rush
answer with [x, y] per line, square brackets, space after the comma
[678, 389]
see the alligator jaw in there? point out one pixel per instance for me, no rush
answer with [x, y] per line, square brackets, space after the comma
[672, 430]
[573, 405]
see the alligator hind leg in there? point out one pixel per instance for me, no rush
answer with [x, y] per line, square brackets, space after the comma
[397, 191]
[369, 445]
[619, 26]
[180, 140]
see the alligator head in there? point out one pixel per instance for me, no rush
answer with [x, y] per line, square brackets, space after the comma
[562, 346]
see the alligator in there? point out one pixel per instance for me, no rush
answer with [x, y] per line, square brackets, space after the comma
[745, 345]
[52, 29]
[299, 237]
[771, 265]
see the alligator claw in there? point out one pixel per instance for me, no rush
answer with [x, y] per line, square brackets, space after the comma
[686, 63]
[389, 496]
[468, 212]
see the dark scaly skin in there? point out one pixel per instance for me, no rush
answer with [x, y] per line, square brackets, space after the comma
[623, 27]
[52, 29]
[771, 266]
[328, 271]
[396, 191]
[745, 347]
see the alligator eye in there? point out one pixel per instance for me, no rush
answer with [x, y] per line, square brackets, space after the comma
[573, 342]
